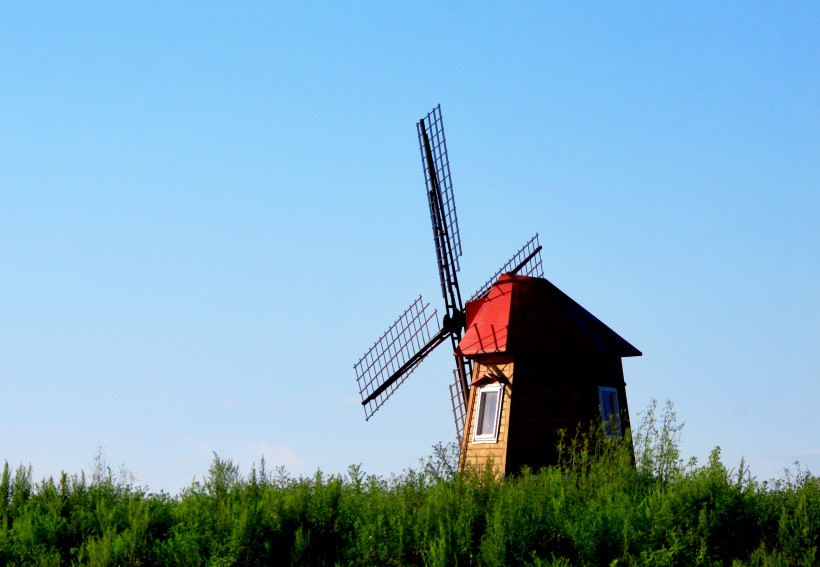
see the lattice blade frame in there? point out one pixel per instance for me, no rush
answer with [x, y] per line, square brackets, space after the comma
[459, 406]
[525, 262]
[439, 180]
[404, 339]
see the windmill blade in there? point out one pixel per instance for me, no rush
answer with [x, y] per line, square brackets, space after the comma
[436, 165]
[397, 354]
[525, 262]
[457, 399]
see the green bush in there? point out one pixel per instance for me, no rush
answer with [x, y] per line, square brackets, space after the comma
[629, 501]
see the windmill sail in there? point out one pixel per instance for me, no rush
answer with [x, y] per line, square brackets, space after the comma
[437, 178]
[525, 262]
[457, 398]
[396, 355]
[438, 181]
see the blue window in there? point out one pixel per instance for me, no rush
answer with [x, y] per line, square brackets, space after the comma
[610, 411]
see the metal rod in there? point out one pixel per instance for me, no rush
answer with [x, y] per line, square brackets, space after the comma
[524, 262]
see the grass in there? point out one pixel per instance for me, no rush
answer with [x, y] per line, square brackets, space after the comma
[608, 502]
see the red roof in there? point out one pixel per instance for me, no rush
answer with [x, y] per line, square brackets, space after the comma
[524, 314]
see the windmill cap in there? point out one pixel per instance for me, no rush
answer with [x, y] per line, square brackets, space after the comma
[526, 314]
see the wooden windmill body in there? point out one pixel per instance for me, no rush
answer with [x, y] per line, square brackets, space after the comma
[541, 363]
[546, 361]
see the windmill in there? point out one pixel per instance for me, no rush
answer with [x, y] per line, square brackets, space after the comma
[417, 332]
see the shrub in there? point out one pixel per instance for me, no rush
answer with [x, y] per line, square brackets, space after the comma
[629, 501]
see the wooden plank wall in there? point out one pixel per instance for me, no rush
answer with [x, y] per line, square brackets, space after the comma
[543, 395]
[554, 393]
[477, 454]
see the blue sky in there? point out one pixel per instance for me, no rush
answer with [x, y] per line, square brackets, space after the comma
[209, 212]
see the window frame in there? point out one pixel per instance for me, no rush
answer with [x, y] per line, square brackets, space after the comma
[608, 423]
[488, 437]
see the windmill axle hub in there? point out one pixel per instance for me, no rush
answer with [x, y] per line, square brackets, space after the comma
[455, 322]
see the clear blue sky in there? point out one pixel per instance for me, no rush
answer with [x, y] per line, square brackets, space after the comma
[208, 212]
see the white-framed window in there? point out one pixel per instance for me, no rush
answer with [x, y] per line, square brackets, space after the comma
[610, 411]
[487, 413]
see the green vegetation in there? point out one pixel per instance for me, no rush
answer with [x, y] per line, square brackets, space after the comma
[601, 506]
